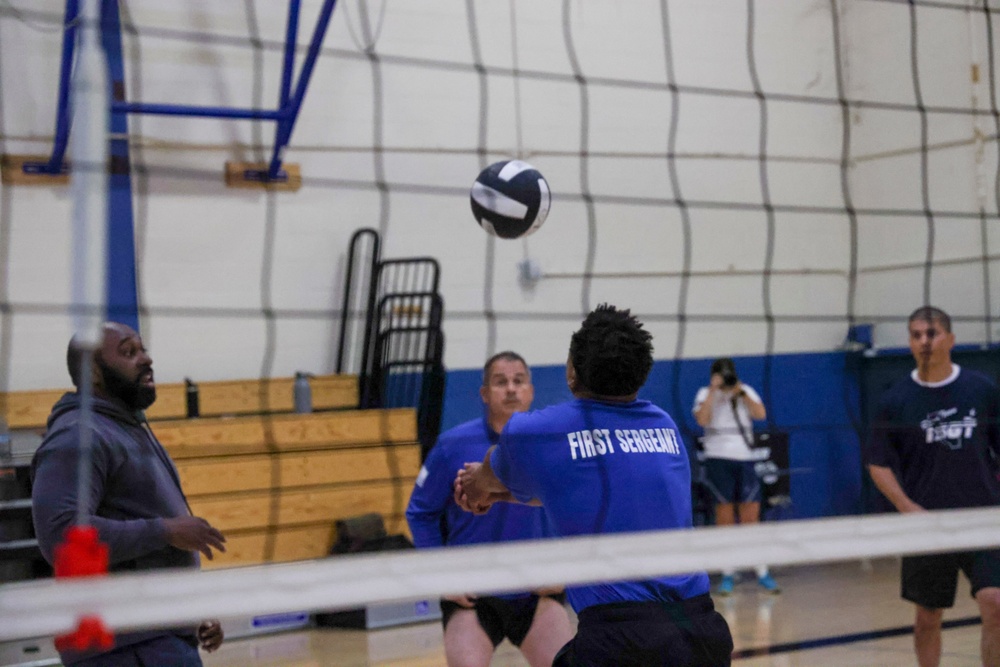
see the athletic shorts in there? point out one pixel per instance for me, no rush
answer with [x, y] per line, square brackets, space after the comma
[689, 633]
[501, 617]
[732, 481]
[930, 581]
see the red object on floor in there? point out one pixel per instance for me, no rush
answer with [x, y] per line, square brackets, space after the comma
[81, 554]
[90, 634]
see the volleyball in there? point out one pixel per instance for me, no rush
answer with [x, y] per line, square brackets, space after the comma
[510, 199]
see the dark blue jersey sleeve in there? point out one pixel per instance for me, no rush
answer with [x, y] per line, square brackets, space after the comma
[509, 466]
[429, 501]
[993, 432]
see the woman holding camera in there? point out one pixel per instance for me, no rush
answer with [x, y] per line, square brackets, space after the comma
[726, 409]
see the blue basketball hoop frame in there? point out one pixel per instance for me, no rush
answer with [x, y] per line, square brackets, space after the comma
[285, 115]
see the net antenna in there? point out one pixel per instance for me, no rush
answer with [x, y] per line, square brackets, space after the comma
[81, 553]
[89, 186]
[273, 174]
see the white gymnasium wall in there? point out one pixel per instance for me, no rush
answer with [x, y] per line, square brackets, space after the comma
[961, 164]
[416, 95]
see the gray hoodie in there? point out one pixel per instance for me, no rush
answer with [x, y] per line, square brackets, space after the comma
[133, 487]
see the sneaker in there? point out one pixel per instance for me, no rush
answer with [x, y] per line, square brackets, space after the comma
[725, 586]
[768, 583]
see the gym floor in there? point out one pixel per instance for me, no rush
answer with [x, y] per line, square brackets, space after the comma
[845, 614]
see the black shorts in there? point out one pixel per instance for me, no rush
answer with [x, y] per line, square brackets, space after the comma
[689, 633]
[930, 581]
[500, 617]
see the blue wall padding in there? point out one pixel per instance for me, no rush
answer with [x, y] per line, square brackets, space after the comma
[812, 396]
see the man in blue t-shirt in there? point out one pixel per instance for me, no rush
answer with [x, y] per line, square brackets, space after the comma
[537, 623]
[934, 446]
[609, 463]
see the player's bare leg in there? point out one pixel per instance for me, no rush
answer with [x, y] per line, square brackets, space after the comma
[725, 514]
[549, 632]
[749, 512]
[466, 644]
[989, 609]
[927, 636]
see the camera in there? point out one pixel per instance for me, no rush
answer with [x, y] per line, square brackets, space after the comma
[729, 378]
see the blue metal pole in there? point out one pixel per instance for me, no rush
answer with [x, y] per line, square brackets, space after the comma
[55, 165]
[291, 110]
[291, 36]
[123, 299]
[286, 115]
[187, 110]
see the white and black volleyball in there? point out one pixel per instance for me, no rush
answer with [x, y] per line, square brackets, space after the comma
[510, 199]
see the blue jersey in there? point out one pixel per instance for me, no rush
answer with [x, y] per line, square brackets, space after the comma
[434, 518]
[601, 467]
[941, 440]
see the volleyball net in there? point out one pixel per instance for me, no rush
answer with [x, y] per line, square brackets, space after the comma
[770, 182]
[165, 599]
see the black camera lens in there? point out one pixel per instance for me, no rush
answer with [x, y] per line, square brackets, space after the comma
[729, 379]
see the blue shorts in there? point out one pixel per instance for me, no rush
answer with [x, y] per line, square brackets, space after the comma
[732, 481]
[163, 651]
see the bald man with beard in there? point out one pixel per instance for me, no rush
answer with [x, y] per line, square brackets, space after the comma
[134, 497]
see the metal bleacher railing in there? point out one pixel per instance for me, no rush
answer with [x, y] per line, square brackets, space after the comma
[390, 333]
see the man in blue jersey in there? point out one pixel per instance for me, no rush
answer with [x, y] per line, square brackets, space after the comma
[934, 446]
[537, 623]
[609, 463]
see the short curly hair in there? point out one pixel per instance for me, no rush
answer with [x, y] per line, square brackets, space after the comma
[611, 353]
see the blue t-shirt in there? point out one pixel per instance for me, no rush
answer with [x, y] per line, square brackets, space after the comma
[601, 467]
[434, 518]
[941, 440]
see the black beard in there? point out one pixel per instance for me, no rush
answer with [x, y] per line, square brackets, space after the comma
[134, 394]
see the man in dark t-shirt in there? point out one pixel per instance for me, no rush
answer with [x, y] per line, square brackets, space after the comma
[934, 445]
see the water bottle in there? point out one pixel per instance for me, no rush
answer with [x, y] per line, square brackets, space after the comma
[191, 392]
[6, 450]
[302, 393]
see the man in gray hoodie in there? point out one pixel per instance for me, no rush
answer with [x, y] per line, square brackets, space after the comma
[133, 499]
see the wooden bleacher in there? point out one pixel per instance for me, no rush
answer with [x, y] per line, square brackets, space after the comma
[290, 477]
[271, 480]
[30, 409]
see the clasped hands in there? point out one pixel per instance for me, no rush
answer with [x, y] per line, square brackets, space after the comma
[472, 492]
